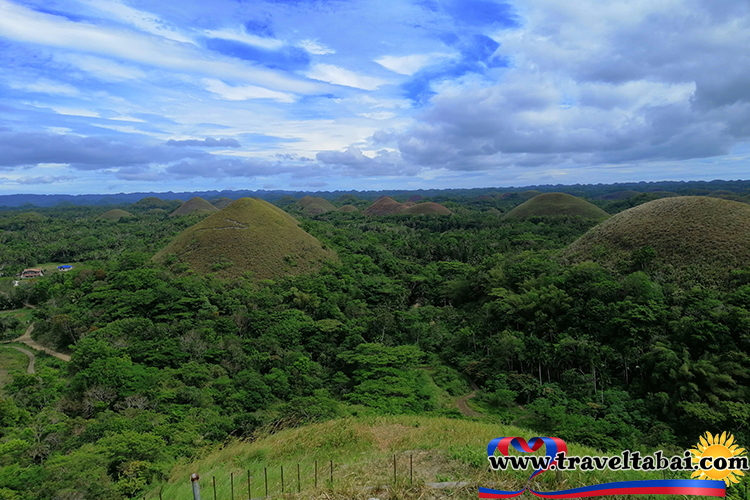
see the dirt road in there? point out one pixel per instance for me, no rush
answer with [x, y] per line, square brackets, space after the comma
[32, 358]
[26, 339]
[464, 408]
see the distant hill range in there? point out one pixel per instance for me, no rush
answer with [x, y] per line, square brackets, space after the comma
[591, 191]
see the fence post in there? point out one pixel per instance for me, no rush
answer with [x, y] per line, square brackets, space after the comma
[394, 469]
[213, 478]
[331, 474]
[411, 469]
[249, 494]
[231, 482]
[316, 474]
[282, 479]
[265, 475]
[299, 483]
[161, 490]
[196, 487]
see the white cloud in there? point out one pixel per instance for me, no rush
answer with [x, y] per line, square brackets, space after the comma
[243, 93]
[24, 25]
[103, 69]
[44, 86]
[75, 111]
[142, 20]
[313, 47]
[379, 115]
[408, 65]
[340, 76]
[239, 35]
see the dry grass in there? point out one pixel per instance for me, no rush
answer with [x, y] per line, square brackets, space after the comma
[249, 235]
[348, 208]
[312, 205]
[549, 204]
[427, 208]
[362, 451]
[221, 203]
[388, 206]
[10, 360]
[194, 205]
[709, 234]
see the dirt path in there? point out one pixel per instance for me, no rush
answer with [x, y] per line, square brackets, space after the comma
[464, 408]
[32, 358]
[26, 339]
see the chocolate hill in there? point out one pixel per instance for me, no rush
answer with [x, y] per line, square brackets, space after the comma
[194, 205]
[114, 215]
[311, 205]
[250, 235]
[707, 234]
[388, 206]
[549, 204]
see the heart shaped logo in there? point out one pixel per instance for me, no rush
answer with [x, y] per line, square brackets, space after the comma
[552, 445]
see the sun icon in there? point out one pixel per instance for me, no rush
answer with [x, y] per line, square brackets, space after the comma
[715, 458]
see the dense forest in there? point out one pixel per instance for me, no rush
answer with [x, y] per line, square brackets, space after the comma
[166, 361]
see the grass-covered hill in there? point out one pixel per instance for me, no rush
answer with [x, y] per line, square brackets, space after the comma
[427, 208]
[388, 206]
[250, 235]
[348, 208]
[221, 203]
[151, 202]
[196, 205]
[114, 215]
[426, 449]
[706, 233]
[549, 204]
[314, 205]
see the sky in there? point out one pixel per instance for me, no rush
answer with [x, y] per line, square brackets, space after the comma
[106, 96]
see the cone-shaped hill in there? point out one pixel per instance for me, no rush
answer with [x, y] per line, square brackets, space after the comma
[249, 235]
[221, 202]
[709, 234]
[194, 205]
[556, 204]
[427, 208]
[151, 202]
[386, 205]
[311, 205]
[348, 208]
[114, 215]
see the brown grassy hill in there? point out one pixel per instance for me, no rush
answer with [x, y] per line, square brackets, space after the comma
[709, 234]
[194, 205]
[312, 205]
[427, 208]
[556, 204]
[221, 202]
[619, 195]
[114, 215]
[249, 235]
[348, 208]
[385, 205]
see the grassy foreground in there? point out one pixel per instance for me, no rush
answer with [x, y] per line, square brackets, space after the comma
[362, 451]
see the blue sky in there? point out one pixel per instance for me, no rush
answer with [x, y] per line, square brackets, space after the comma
[100, 96]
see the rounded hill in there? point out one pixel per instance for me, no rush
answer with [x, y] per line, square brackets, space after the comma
[194, 205]
[427, 208]
[248, 235]
[705, 233]
[221, 202]
[348, 208]
[548, 204]
[385, 205]
[151, 202]
[312, 205]
[114, 215]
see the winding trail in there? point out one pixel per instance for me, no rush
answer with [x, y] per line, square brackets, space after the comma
[26, 339]
[463, 407]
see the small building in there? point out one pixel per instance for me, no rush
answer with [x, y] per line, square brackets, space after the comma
[33, 272]
[64, 267]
